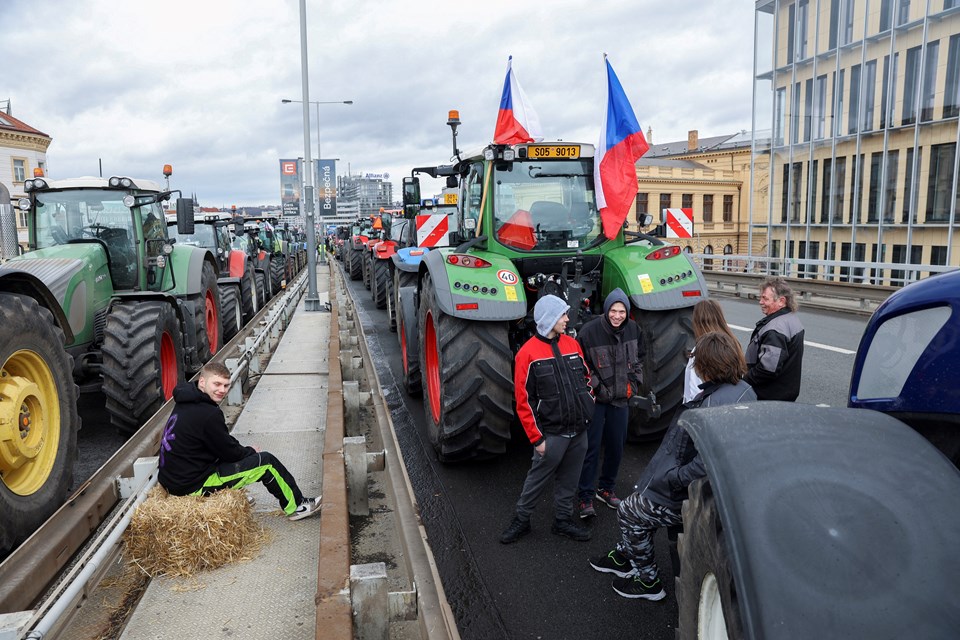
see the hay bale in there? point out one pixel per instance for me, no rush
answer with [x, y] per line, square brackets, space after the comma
[178, 536]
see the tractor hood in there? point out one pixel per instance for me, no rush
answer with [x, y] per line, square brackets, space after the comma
[69, 276]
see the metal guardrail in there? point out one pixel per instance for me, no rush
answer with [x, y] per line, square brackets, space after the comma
[27, 573]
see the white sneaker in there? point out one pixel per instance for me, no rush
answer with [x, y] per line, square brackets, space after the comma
[307, 508]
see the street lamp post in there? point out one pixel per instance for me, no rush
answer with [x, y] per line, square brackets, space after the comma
[317, 103]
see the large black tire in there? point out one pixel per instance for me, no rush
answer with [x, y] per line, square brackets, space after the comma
[142, 361]
[277, 266]
[263, 288]
[249, 294]
[207, 314]
[381, 283]
[466, 370]
[367, 261]
[34, 478]
[667, 336]
[705, 570]
[231, 312]
[354, 263]
[409, 356]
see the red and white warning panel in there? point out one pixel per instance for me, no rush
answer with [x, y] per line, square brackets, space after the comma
[679, 223]
[433, 230]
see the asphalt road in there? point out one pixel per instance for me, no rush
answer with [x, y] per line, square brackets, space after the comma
[542, 587]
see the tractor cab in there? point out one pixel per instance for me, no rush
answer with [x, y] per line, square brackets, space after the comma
[122, 216]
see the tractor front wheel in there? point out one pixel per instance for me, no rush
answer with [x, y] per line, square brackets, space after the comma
[467, 382]
[706, 593]
[277, 268]
[232, 313]
[249, 294]
[142, 361]
[38, 419]
[381, 280]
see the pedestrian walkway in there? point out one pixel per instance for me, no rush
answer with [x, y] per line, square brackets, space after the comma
[271, 595]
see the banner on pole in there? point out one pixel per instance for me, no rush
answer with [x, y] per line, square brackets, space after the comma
[327, 187]
[290, 186]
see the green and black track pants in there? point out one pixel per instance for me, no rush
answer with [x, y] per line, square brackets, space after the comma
[258, 467]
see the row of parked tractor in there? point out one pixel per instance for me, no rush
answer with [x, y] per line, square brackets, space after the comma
[114, 295]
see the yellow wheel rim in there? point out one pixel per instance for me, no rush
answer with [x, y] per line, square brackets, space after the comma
[29, 422]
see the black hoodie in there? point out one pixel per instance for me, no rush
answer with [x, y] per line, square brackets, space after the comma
[195, 440]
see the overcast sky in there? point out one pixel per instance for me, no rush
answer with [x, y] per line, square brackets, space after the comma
[197, 84]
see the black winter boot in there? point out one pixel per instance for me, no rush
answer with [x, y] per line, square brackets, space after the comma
[570, 529]
[517, 529]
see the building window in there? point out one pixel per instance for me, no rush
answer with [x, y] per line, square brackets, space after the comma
[642, 204]
[938, 255]
[795, 115]
[872, 196]
[780, 116]
[940, 184]
[728, 250]
[707, 208]
[898, 276]
[42, 166]
[825, 191]
[846, 273]
[903, 16]
[728, 208]
[708, 262]
[951, 94]
[791, 192]
[802, 20]
[869, 93]
[807, 108]
[19, 169]
[834, 22]
[686, 200]
[856, 201]
[854, 110]
[664, 203]
[909, 193]
[890, 196]
[886, 12]
[950, 4]
[911, 74]
[837, 127]
[887, 92]
[928, 92]
[847, 33]
[22, 217]
[820, 114]
[791, 31]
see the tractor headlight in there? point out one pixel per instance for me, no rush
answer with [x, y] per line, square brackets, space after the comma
[489, 153]
[129, 201]
[509, 155]
[23, 204]
[167, 249]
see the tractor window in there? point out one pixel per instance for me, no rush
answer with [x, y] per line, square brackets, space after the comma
[202, 236]
[895, 350]
[545, 205]
[473, 187]
[153, 222]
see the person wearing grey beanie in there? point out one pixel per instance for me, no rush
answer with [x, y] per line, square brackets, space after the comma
[554, 405]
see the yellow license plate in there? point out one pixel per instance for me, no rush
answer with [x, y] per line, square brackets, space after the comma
[449, 198]
[553, 151]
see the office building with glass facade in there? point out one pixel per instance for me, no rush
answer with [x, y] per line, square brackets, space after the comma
[856, 127]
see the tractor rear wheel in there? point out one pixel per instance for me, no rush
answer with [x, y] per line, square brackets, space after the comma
[381, 280]
[706, 593]
[38, 419]
[367, 261]
[206, 314]
[277, 267]
[400, 279]
[409, 356]
[354, 264]
[467, 382]
[262, 289]
[667, 336]
[142, 361]
[249, 294]
[232, 314]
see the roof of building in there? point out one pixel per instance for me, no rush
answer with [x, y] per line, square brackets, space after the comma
[647, 161]
[714, 143]
[9, 123]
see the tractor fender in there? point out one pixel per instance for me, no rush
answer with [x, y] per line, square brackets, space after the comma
[838, 523]
[408, 302]
[16, 281]
[455, 294]
[384, 250]
[654, 285]
[237, 263]
[408, 258]
[188, 268]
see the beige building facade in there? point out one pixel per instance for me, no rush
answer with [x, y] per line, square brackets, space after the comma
[856, 133]
[22, 149]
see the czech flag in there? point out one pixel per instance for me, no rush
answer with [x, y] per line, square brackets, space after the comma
[517, 121]
[614, 169]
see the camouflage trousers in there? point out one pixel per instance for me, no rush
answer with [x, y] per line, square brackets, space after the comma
[639, 519]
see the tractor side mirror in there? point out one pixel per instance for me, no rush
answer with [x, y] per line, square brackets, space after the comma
[645, 219]
[452, 182]
[184, 216]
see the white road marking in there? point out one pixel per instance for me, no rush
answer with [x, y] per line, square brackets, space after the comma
[827, 347]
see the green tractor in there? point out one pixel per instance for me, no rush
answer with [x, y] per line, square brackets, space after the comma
[103, 300]
[528, 226]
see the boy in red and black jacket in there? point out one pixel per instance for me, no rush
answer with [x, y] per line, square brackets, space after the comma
[555, 405]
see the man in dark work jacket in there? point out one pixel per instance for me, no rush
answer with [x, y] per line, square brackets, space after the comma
[775, 351]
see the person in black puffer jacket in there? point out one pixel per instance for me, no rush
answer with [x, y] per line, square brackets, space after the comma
[662, 487]
[613, 348]
[198, 456]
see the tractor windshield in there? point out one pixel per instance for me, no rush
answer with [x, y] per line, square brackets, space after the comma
[545, 205]
[202, 236]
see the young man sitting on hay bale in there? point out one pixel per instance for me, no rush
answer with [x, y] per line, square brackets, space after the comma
[198, 456]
